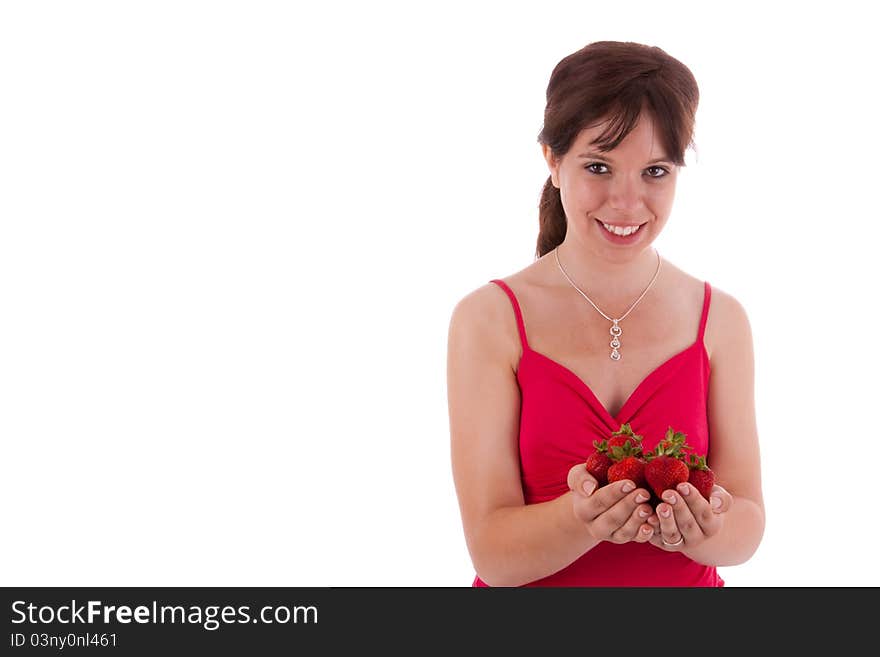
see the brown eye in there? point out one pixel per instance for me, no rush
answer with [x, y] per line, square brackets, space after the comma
[589, 167]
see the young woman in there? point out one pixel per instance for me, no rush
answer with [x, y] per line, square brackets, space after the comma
[598, 332]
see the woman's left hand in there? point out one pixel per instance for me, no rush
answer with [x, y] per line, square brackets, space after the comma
[685, 518]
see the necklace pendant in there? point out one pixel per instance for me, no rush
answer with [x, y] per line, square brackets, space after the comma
[615, 341]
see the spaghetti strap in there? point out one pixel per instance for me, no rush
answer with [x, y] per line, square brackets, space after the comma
[707, 296]
[519, 320]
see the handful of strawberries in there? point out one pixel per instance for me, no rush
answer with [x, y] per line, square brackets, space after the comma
[621, 456]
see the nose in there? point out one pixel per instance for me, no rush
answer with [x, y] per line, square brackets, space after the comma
[626, 194]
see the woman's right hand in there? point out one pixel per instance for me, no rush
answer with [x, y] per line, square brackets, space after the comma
[616, 512]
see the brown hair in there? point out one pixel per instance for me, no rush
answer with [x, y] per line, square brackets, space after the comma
[615, 80]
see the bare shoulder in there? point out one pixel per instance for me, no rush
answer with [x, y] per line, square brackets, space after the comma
[485, 318]
[488, 298]
[488, 309]
[483, 307]
[727, 324]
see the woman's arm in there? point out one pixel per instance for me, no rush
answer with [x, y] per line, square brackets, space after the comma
[734, 454]
[510, 543]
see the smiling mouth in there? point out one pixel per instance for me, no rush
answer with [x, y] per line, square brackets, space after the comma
[621, 231]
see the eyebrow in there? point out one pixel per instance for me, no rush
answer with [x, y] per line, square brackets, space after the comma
[598, 156]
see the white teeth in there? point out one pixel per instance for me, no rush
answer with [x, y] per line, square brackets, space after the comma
[629, 230]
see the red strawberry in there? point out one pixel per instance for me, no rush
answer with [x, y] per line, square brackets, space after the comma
[701, 477]
[628, 460]
[630, 467]
[597, 465]
[623, 435]
[665, 469]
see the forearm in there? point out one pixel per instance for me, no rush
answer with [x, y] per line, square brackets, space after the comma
[518, 545]
[738, 539]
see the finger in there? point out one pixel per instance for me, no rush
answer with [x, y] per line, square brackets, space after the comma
[645, 534]
[606, 497]
[580, 481]
[668, 529]
[720, 500]
[613, 504]
[699, 508]
[630, 529]
[685, 522]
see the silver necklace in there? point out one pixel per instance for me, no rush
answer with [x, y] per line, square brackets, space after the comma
[615, 329]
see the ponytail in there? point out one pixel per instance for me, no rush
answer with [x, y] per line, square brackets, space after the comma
[551, 219]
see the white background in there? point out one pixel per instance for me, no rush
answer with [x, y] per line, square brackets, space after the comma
[232, 235]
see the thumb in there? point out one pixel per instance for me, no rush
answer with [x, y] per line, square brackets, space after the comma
[580, 481]
[719, 499]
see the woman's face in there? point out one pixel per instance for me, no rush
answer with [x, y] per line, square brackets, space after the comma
[632, 185]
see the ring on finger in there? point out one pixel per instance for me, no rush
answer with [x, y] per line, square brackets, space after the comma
[676, 544]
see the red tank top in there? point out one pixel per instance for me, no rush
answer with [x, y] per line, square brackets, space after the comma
[560, 416]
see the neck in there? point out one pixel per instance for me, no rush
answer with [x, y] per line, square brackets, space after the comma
[612, 285]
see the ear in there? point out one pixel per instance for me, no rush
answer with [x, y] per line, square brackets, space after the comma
[552, 164]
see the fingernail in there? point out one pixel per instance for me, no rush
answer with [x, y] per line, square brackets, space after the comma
[669, 497]
[646, 530]
[716, 502]
[641, 497]
[589, 487]
[628, 486]
[644, 514]
[684, 489]
[665, 511]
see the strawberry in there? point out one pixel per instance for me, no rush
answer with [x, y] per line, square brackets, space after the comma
[629, 462]
[700, 476]
[623, 435]
[629, 467]
[665, 468]
[597, 465]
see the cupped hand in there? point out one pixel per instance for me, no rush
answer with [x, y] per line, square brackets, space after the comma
[616, 512]
[685, 518]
